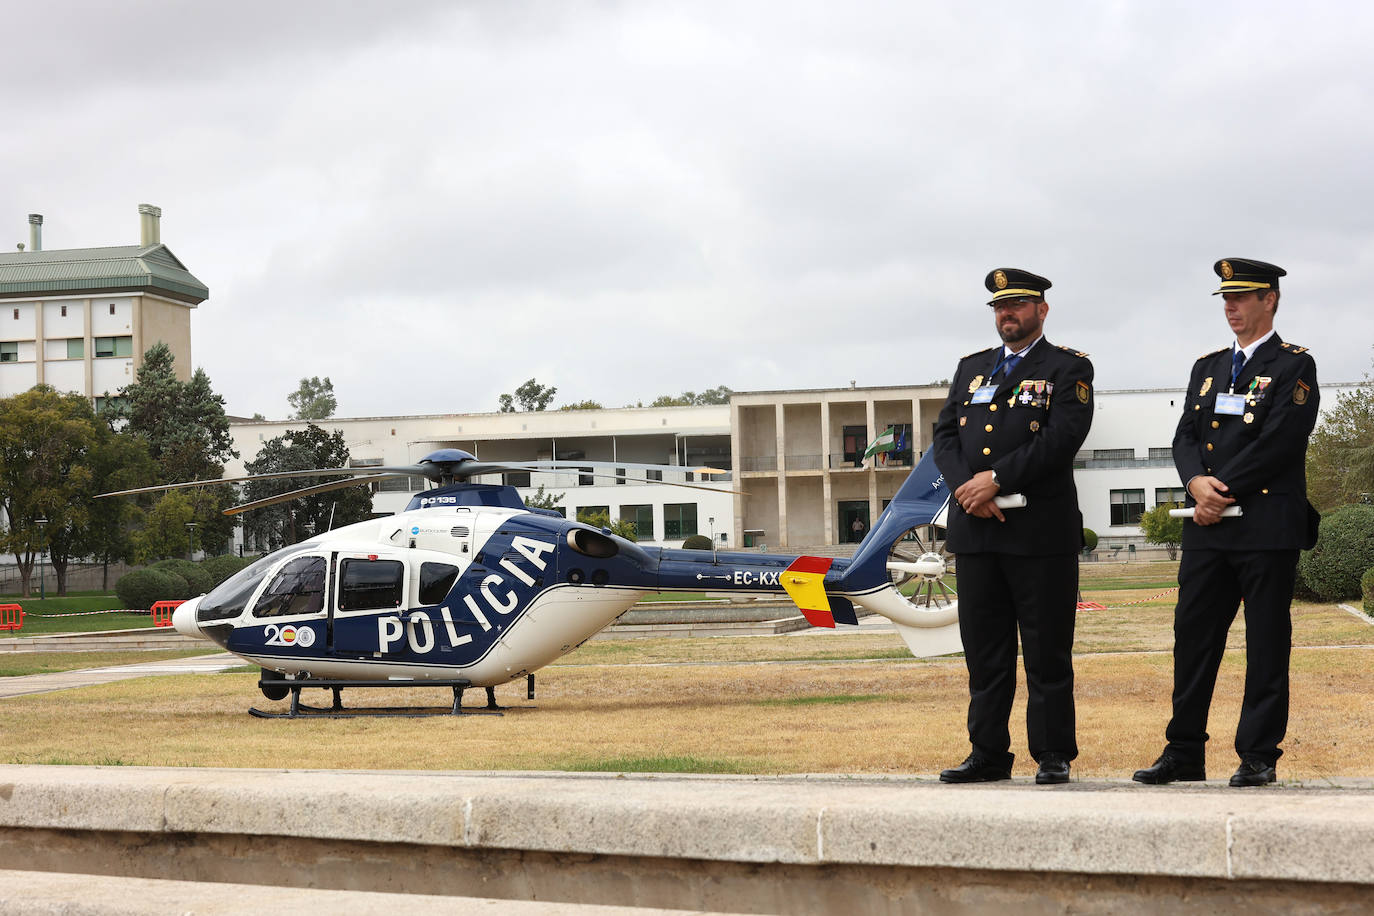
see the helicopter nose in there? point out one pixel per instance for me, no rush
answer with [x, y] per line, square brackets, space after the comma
[184, 618]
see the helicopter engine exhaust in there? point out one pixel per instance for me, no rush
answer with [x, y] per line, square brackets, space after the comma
[591, 543]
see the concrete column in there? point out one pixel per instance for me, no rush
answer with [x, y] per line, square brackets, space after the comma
[40, 355]
[780, 430]
[826, 498]
[737, 477]
[88, 348]
[918, 433]
[872, 472]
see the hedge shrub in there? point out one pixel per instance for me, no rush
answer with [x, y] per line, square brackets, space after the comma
[1367, 588]
[1089, 539]
[140, 588]
[222, 567]
[197, 579]
[1345, 549]
[697, 542]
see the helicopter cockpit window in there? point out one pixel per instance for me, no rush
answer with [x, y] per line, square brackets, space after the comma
[366, 585]
[228, 599]
[297, 589]
[435, 581]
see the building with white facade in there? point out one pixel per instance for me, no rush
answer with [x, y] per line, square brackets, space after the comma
[80, 319]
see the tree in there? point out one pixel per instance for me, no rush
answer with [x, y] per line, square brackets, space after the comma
[45, 438]
[602, 519]
[530, 396]
[1340, 454]
[306, 516]
[117, 462]
[719, 395]
[165, 532]
[313, 400]
[186, 431]
[541, 500]
[583, 405]
[1159, 527]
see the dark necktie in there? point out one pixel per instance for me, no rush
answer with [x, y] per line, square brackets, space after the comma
[1005, 367]
[1237, 363]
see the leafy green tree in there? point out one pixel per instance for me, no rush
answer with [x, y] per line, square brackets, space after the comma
[720, 395]
[306, 516]
[313, 400]
[529, 396]
[542, 500]
[117, 462]
[186, 431]
[1340, 454]
[165, 532]
[45, 438]
[1161, 528]
[583, 405]
[602, 519]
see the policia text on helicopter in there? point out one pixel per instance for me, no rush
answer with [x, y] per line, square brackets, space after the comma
[1015, 416]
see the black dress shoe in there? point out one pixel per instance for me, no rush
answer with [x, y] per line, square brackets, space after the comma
[1169, 768]
[1253, 773]
[977, 768]
[1053, 770]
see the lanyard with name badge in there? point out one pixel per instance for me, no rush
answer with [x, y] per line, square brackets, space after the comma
[984, 394]
[1230, 404]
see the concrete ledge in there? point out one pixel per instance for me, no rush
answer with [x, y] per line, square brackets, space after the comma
[899, 829]
[58, 894]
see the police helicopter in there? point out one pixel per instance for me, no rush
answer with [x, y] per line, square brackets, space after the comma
[469, 587]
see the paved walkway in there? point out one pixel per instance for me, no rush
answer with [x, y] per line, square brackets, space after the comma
[87, 677]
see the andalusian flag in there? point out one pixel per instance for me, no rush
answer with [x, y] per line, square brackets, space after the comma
[884, 443]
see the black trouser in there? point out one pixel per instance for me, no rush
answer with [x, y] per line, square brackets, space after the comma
[1211, 586]
[997, 594]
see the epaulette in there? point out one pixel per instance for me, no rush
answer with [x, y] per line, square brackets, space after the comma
[980, 352]
[1292, 348]
[1213, 353]
[1079, 353]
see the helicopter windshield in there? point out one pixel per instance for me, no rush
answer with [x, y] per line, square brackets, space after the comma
[228, 599]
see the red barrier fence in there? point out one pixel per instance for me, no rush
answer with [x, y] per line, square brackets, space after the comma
[11, 617]
[162, 612]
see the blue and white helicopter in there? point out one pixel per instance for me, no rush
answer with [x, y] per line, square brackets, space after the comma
[468, 587]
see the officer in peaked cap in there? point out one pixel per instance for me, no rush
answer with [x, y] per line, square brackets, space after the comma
[1016, 415]
[1242, 441]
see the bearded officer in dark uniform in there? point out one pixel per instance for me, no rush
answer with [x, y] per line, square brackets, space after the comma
[1015, 417]
[1242, 441]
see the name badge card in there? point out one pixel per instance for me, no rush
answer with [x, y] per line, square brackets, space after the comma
[1230, 405]
[984, 395]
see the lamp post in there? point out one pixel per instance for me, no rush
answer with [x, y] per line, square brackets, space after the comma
[711, 520]
[191, 536]
[42, 524]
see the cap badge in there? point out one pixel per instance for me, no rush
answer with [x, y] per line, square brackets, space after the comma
[1227, 271]
[1000, 279]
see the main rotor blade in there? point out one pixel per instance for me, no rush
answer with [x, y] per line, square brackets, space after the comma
[306, 491]
[571, 463]
[375, 470]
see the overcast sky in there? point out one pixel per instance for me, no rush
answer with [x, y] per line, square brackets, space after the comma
[430, 202]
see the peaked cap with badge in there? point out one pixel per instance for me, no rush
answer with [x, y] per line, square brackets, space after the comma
[1243, 275]
[1007, 282]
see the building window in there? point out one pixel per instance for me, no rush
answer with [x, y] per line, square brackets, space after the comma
[64, 311]
[855, 444]
[619, 475]
[113, 346]
[1127, 506]
[594, 515]
[516, 478]
[401, 484]
[1167, 496]
[642, 517]
[679, 520]
[104, 404]
[653, 475]
[16, 314]
[111, 308]
[76, 348]
[9, 351]
[1165, 452]
[585, 477]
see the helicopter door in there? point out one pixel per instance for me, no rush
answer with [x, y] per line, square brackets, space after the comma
[367, 588]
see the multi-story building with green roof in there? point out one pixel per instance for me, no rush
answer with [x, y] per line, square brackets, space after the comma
[80, 319]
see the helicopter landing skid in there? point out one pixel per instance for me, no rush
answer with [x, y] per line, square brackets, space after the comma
[299, 710]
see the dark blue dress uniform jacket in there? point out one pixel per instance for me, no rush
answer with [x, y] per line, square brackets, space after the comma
[1260, 455]
[1029, 434]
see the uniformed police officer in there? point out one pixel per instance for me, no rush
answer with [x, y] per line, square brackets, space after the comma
[1242, 441]
[1015, 417]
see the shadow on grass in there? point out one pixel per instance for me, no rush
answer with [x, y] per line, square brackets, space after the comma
[669, 764]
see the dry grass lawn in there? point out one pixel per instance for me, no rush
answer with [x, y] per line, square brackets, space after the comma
[790, 704]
